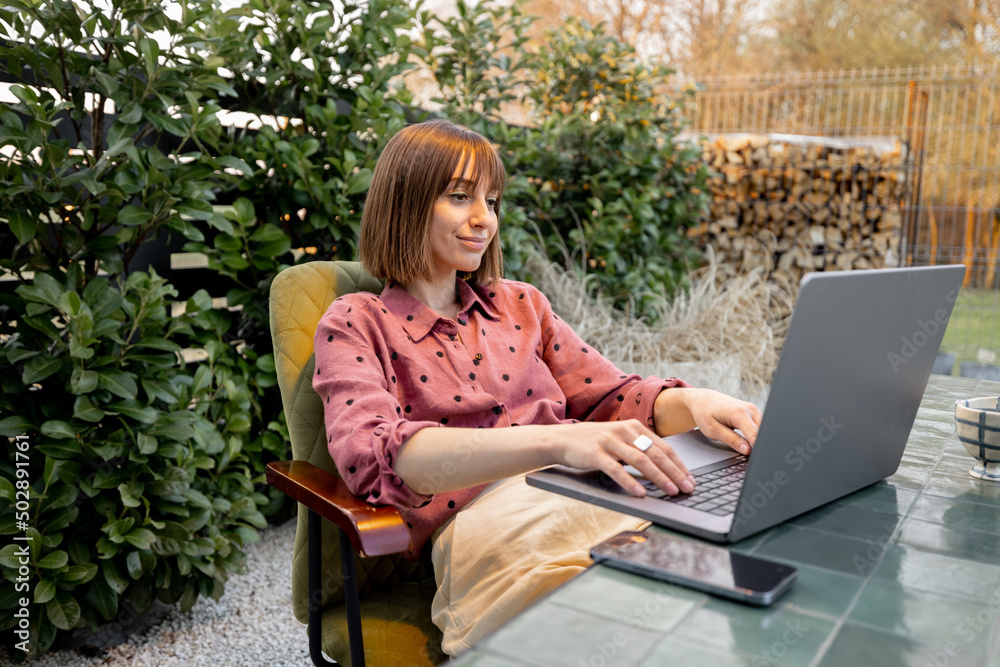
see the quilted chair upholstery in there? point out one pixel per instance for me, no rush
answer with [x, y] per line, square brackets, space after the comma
[395, 593]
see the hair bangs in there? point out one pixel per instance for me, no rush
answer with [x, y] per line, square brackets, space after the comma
[486, 167]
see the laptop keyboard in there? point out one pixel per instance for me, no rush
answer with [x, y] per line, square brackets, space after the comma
[715, 492]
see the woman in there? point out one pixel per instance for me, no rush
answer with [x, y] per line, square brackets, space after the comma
[424, 384]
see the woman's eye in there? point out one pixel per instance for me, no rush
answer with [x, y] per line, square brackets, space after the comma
[491, 202]
[460, 196]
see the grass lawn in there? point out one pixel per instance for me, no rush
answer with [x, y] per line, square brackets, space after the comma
[974, 325]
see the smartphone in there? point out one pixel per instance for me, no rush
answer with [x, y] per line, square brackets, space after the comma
[697, 565]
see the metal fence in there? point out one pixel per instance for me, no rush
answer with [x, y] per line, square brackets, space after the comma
[949, 121]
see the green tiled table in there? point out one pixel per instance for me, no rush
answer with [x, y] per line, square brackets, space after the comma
[904, 572]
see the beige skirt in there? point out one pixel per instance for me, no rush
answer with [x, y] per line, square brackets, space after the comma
[508, 547]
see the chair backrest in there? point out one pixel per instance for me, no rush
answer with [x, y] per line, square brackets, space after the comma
[298, 299]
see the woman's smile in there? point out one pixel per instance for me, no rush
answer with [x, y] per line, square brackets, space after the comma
[475, 243]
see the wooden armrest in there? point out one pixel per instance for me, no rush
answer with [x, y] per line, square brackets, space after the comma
[374, 530]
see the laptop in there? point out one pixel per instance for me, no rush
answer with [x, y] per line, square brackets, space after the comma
[855, 362]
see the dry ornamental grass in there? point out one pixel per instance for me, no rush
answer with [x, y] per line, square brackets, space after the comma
[723, 333]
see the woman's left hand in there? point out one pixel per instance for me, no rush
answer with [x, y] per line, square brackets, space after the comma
[716, 414]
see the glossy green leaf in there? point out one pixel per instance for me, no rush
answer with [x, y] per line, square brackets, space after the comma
[128, 500]
[132, 113]
[61, 449]
[63, 611]
[141, 538]
[118, 383]
[78, 574]
[83, 381]
[84, 408]
[147, 444]
[134, 565]
[39, 368]
[101, 596]
[45, 590]
[113, 576]
[133, 216]
[234, 162]
[57, 497]
[190, 595]
[134, 410]
[53, 561]
[6, 490]
[14, 426]
[24, 227]
[58, 429]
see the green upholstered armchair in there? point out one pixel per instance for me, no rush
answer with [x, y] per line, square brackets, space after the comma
[332, 574]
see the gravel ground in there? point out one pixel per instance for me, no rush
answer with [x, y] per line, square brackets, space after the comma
[251, 626]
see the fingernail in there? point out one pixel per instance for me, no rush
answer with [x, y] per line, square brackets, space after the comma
[639, 490]
[671, 489]
[687, 486]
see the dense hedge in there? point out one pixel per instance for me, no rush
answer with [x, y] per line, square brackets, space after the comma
[144, 476]
[145, 470]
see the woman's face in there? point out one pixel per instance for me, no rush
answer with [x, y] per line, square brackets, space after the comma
[463, 222]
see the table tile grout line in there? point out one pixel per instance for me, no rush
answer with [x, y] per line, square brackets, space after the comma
[923, 645]
[594, 614]
[694, 608]
[960, 502]
[662, 635]
[919, 642]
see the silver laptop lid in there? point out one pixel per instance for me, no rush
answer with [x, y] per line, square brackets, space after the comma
[854, 366]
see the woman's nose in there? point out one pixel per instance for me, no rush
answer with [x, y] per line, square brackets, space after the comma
[480, 211]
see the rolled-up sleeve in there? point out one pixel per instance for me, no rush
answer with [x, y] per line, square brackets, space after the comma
[364, 423]
[595, 389]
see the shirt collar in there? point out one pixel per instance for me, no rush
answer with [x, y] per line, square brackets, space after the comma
[418, 319]
[479, 296]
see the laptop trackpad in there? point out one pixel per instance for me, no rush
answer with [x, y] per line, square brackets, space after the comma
[697, 451]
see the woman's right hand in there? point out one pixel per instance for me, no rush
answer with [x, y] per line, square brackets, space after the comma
[608, 446]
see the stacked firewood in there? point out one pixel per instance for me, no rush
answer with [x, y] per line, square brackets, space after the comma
[798, 204]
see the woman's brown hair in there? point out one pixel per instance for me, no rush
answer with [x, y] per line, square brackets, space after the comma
[415, 167]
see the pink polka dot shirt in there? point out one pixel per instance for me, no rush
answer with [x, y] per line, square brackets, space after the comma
[388, 366]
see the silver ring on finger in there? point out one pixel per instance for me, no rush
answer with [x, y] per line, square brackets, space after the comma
[642, 443]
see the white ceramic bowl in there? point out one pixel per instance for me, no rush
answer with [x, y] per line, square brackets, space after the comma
[977, 422]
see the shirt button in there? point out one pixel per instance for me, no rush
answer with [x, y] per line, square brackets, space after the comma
[479, 357]
[497, 410]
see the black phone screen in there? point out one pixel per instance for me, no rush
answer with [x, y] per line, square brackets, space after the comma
[686, 561]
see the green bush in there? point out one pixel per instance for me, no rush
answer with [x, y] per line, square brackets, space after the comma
[139, 486]
[599, 174]
[323, 71]
[310, 173]
[142, 468]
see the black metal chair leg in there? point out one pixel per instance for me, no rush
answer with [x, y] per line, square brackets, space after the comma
[315, 588]
[351, 601]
